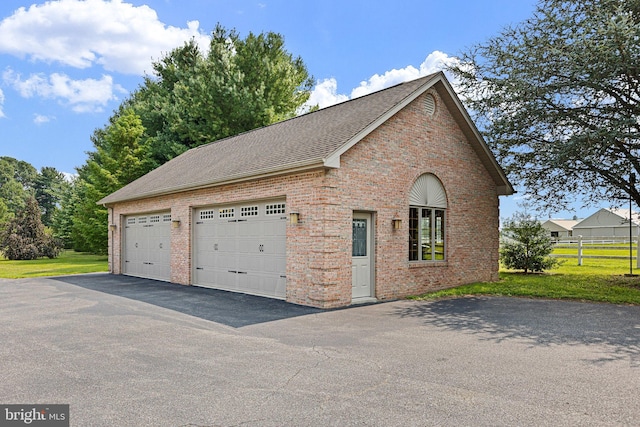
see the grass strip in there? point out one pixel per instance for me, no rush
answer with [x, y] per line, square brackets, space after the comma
[69, 262]
[598, 280]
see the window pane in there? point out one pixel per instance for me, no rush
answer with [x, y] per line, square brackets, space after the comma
[439, 235]
[413, 234]
[425, 234]
[359, 244]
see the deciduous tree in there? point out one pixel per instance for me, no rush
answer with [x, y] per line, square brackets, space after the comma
[24, 237]
[16, 182]
[557, 98]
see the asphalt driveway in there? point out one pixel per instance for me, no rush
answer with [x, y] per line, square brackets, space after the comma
[132, 352]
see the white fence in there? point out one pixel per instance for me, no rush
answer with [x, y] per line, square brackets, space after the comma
[601, 243]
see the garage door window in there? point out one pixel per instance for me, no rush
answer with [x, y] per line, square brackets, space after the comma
[227, 213]
[208, 214]
[275, 209]
[249, 211]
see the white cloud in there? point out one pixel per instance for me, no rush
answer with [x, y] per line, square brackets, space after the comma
[1, 104]
[434, 62]
[118, 36]
[88, 95]
[70, 177]
[40, 119]
[325, 92]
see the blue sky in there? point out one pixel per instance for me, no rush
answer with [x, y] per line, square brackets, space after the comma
[66, 65]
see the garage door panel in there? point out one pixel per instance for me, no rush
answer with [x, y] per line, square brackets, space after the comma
[147, 246]
[251, 248]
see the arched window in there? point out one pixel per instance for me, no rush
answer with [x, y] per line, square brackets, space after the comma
[427, 214]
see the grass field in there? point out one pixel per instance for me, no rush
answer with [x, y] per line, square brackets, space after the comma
[69, 262]
[600, 280]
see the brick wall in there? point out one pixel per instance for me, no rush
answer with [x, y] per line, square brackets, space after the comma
[375, 176]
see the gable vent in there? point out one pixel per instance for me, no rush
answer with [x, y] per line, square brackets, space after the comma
[428, 191]
[429, 104]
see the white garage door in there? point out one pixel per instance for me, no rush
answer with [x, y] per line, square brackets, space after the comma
[241, 248]
[147, 246]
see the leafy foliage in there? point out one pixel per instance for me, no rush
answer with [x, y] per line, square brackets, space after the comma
[239, 85]
[48, 186]
[119, 159]
[558, 99]
[191, 99]
[16, 183]
[526, 245]
[20, 181]
[24, 237]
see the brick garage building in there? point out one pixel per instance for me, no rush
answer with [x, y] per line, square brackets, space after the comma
[379, 197]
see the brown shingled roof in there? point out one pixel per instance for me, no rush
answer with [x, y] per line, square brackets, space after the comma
[309, 141]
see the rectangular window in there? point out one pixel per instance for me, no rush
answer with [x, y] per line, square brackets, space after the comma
[359, 243]
[249, 211]
[439, 235]
[154, 218]
[275, 209]
[142, 220]
[426, 234]
[414, 241]
[227, 212]
[208, 214]
[166, 218]
[131, 221]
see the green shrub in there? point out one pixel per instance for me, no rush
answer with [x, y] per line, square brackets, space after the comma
[526, 245]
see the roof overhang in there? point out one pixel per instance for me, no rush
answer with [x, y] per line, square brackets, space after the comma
[256, 175]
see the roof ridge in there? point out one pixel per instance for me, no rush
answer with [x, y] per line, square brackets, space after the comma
[376, 92]
[324, 109]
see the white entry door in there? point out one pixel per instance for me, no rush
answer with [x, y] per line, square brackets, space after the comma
[362, 256]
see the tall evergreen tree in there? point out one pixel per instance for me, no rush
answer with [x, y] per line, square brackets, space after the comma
[195, 98]
[119, 159]
[48, 186]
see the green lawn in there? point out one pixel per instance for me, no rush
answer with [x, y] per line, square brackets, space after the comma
[69, 262]
[601, 280]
